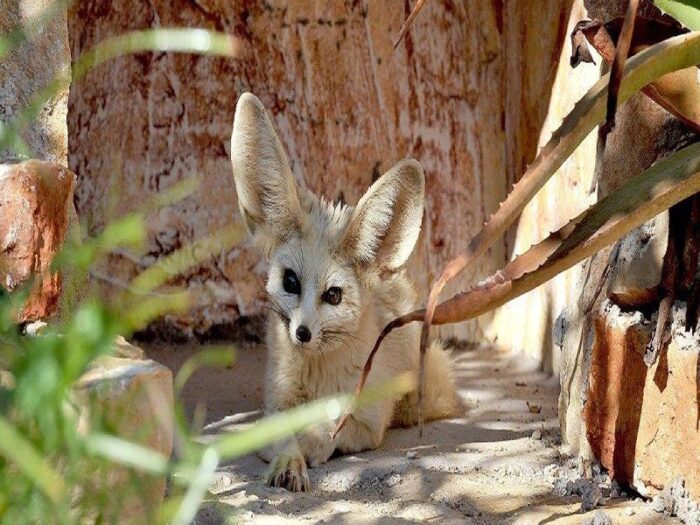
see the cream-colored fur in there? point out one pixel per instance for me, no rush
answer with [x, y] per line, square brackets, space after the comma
[361, 251]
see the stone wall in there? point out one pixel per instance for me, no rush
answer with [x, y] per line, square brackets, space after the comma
[466, 93]
[642, 422]
[643, 133]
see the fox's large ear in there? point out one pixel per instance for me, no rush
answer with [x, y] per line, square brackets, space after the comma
[386, 223]
[267, 193]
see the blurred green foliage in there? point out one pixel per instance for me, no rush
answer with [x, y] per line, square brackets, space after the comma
[53, 469]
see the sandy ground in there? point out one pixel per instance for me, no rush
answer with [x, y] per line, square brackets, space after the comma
[499, 463]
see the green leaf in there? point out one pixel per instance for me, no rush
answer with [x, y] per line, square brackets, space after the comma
[276, 427]
[687, 12]
[200, 482]
[20, 452]
[127, 453]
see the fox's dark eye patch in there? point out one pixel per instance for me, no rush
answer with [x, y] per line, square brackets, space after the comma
[333, 295]
[291, 283]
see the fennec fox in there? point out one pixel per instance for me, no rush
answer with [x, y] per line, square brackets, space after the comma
[335, 280]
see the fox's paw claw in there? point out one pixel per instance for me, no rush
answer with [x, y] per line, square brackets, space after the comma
[289, 473]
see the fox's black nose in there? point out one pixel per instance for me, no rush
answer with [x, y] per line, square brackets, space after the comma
[303, 334]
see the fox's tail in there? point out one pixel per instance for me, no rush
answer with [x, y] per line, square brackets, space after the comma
[441, 400]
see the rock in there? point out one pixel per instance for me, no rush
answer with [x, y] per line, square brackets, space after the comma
[125, 349]
[643, 133]
[135, 398]
[536, 435]
[658, 503]
[639, 261]
[34, 328]
[526, 322]
[30, 67]
[411, 454]
[561, 487]
[36, 214]
[675, 500]
[591, 498]
[629, 511]
[640, 424]
[392, 480]
[599, 518]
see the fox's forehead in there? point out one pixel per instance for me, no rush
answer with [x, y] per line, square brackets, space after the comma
[314, 252]
[326, 220]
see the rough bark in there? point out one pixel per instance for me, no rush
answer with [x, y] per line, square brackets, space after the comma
[463, 93]
[30, 67]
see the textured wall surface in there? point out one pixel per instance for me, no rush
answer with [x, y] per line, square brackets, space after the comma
[466, 93]
[28, 68]
[643, 133]
[642, 423]
[526, 322]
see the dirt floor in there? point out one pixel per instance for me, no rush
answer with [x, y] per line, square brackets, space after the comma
[500, 463]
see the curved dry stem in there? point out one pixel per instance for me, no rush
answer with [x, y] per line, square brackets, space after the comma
[396, 323]
[407, 24]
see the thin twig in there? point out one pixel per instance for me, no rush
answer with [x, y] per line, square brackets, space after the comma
[396, 323]
[618, 65]
[409, 21]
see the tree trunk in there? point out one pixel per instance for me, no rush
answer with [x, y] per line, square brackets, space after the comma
[463, 94]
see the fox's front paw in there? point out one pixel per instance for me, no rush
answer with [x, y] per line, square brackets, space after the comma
[289, 472]
[316, 445]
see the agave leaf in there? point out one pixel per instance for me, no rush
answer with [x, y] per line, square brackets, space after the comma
[670, 55]
[663, 185]
[687, 12]
[677, 92]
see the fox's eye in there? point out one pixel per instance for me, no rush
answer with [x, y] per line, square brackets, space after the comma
[290, 282]
[333, 295]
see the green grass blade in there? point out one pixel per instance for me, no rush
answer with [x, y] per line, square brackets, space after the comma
[200, 482]
[278, 426]
[127, 453]
[20, 452]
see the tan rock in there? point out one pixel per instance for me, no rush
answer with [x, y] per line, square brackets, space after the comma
[134, 398]
[525, 323]
[36, 212]
[642, 423]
